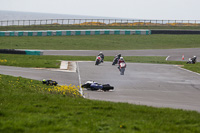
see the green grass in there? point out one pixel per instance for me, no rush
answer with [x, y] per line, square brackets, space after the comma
[68, 27]
[49, 61]
[45, 61]
[24, 108]
[102, 42]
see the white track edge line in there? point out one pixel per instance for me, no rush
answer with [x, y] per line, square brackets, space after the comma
[186, 70]
[79, 78]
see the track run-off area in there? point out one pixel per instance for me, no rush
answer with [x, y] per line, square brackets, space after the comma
[157, 85]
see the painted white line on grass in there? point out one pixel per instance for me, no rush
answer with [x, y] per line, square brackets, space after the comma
[187, 70]
[167, 58]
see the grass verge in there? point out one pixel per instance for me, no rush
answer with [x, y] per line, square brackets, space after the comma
[25, 108]
[48, 61]
[101, 42]
[72, 27]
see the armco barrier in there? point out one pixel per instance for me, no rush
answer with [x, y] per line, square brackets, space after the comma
[12, 51]
[95, 32]
[26, 52]
[76, 32]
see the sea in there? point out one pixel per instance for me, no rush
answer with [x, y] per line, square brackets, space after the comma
[23, 18]
[17, 15]
[8, 18]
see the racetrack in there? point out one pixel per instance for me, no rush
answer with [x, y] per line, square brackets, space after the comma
[174, 54]
[146, 84]
[148, 52]
[62, 77]
[155, 85]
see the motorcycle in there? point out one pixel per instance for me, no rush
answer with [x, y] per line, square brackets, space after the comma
[98, 60]
[50, 82]
[122, 67]
[94, 86]
[115, 60]
[191, 61]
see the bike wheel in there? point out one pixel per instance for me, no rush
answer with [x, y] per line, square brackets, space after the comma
[122, 71]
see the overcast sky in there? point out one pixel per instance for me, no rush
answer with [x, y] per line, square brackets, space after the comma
[138, 9]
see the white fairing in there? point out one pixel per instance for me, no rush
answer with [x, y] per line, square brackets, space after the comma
[90, 82]
[122, 65]
[98, 57]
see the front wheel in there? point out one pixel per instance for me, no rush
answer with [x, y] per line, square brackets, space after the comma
[97, 62]
[122, 71]
[114, 61]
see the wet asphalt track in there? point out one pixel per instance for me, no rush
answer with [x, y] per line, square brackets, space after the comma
[155, 85]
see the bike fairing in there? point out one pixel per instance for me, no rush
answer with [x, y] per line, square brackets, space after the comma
[101, 55]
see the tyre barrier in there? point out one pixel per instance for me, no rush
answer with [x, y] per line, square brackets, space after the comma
[75, 32]
[33, 52]
[175, 32]
[25, 52]
[95, 32]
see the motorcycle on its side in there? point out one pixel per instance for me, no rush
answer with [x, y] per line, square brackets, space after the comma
[98, 60]
[50, 82]
[94, 86]
[122, 67]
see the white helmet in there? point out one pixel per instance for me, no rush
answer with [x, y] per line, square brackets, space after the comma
[100, 52]
[121, 58]
[194, 56]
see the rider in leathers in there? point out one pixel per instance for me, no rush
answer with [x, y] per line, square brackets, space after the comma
[118, 56]
[102, 56]
[194, 59]
[120, 61]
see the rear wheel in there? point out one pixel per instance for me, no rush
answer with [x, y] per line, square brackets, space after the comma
[107, 87]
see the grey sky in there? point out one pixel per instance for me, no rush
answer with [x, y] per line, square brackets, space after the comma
[140, 9]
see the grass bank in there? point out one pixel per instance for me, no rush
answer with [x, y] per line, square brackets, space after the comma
[49, 61]
[25, 108]
[73, 27]
[102, 42]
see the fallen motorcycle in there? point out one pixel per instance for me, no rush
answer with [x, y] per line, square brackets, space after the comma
[50, 82]
[94, 86]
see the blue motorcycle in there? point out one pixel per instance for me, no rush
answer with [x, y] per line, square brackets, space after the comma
[94, 86]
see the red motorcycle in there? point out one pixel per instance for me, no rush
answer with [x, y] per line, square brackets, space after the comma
[122, 67]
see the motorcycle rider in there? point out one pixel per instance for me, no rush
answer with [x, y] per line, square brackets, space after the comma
[120, 61]
[118, 56]
[102, 56]
[194, 59]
